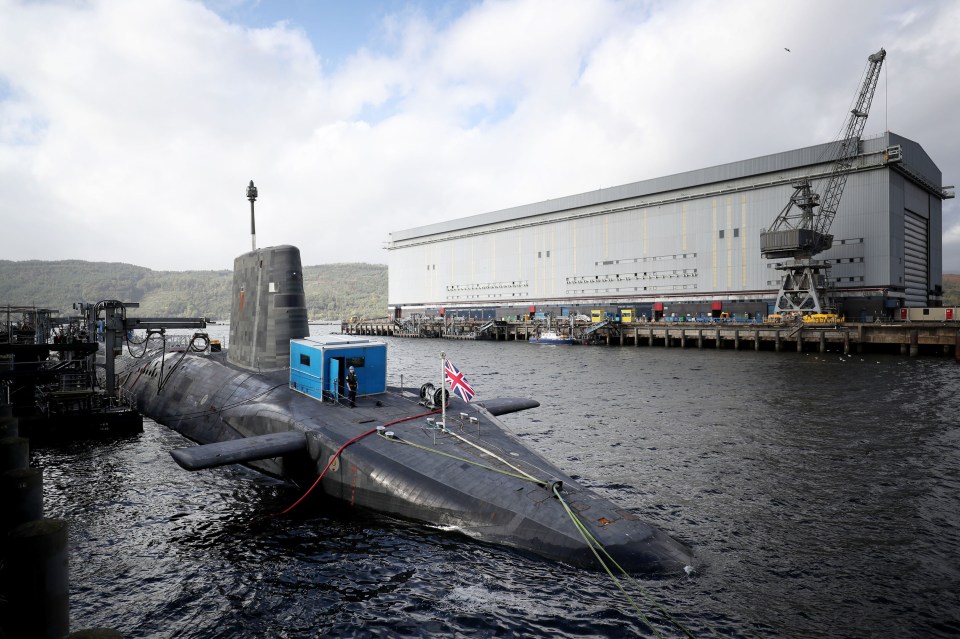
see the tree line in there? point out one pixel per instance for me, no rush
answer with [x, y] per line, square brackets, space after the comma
[333, 291]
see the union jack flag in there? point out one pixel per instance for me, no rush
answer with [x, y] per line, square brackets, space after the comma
[458, 383]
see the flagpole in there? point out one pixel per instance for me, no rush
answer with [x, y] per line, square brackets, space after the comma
[443, 387]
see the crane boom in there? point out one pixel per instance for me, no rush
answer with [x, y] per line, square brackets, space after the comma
[848, 147]
[798, 231]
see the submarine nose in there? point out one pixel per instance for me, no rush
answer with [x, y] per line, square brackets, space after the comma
[654, 554]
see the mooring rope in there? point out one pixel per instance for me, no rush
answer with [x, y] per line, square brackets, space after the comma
[524, 476]
[495, 456]
[595, 545]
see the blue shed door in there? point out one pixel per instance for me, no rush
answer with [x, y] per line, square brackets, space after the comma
[333, 383]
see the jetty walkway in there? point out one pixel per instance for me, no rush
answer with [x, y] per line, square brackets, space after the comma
[905, 338]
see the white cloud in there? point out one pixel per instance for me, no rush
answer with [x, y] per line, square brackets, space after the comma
[128, 131]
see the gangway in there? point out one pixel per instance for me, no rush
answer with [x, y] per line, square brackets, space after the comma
[596, 327]
[486, 327]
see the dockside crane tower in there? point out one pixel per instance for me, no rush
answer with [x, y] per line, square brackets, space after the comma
[799, 233]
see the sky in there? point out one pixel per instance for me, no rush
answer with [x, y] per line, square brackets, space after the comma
[129, 129]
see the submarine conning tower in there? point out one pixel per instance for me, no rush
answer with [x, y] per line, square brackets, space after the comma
[268, 308]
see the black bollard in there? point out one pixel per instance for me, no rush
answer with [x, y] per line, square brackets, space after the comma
[14, 453]
[9, 427]
[21, 497]
[36, 580]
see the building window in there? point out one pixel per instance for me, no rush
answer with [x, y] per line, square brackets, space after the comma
[736, 232]
[721, 234]
[548, 253]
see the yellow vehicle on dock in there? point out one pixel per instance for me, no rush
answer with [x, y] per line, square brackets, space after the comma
[822, 318]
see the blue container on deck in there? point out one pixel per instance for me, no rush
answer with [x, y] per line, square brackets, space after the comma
[318, 365]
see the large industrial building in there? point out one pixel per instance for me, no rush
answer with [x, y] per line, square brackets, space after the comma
[685, 244]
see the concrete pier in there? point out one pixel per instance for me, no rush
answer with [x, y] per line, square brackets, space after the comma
[908, 338]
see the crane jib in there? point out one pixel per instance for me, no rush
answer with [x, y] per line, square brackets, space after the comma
[802, 229]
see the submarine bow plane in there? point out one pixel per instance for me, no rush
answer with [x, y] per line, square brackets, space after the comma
[271, 401]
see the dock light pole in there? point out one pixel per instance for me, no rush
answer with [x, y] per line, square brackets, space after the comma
[252, 196]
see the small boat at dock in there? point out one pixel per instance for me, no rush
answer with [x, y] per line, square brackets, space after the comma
[551, 337]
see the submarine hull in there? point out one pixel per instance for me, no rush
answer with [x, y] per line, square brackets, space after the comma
[473, 477]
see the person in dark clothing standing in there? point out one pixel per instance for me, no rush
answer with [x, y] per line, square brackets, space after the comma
[352, 387]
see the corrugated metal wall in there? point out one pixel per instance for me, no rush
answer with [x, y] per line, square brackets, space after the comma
[689, 236]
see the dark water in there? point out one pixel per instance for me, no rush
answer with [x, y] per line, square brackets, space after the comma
[821, 493]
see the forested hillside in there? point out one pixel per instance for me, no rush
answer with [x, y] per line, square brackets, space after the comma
[334, 291]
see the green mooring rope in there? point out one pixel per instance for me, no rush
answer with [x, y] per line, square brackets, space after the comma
[594, 545]
[588, 537]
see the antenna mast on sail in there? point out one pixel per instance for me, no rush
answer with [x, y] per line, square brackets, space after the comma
[252, 196]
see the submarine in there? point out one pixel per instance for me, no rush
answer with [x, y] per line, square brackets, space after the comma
[272, 400]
